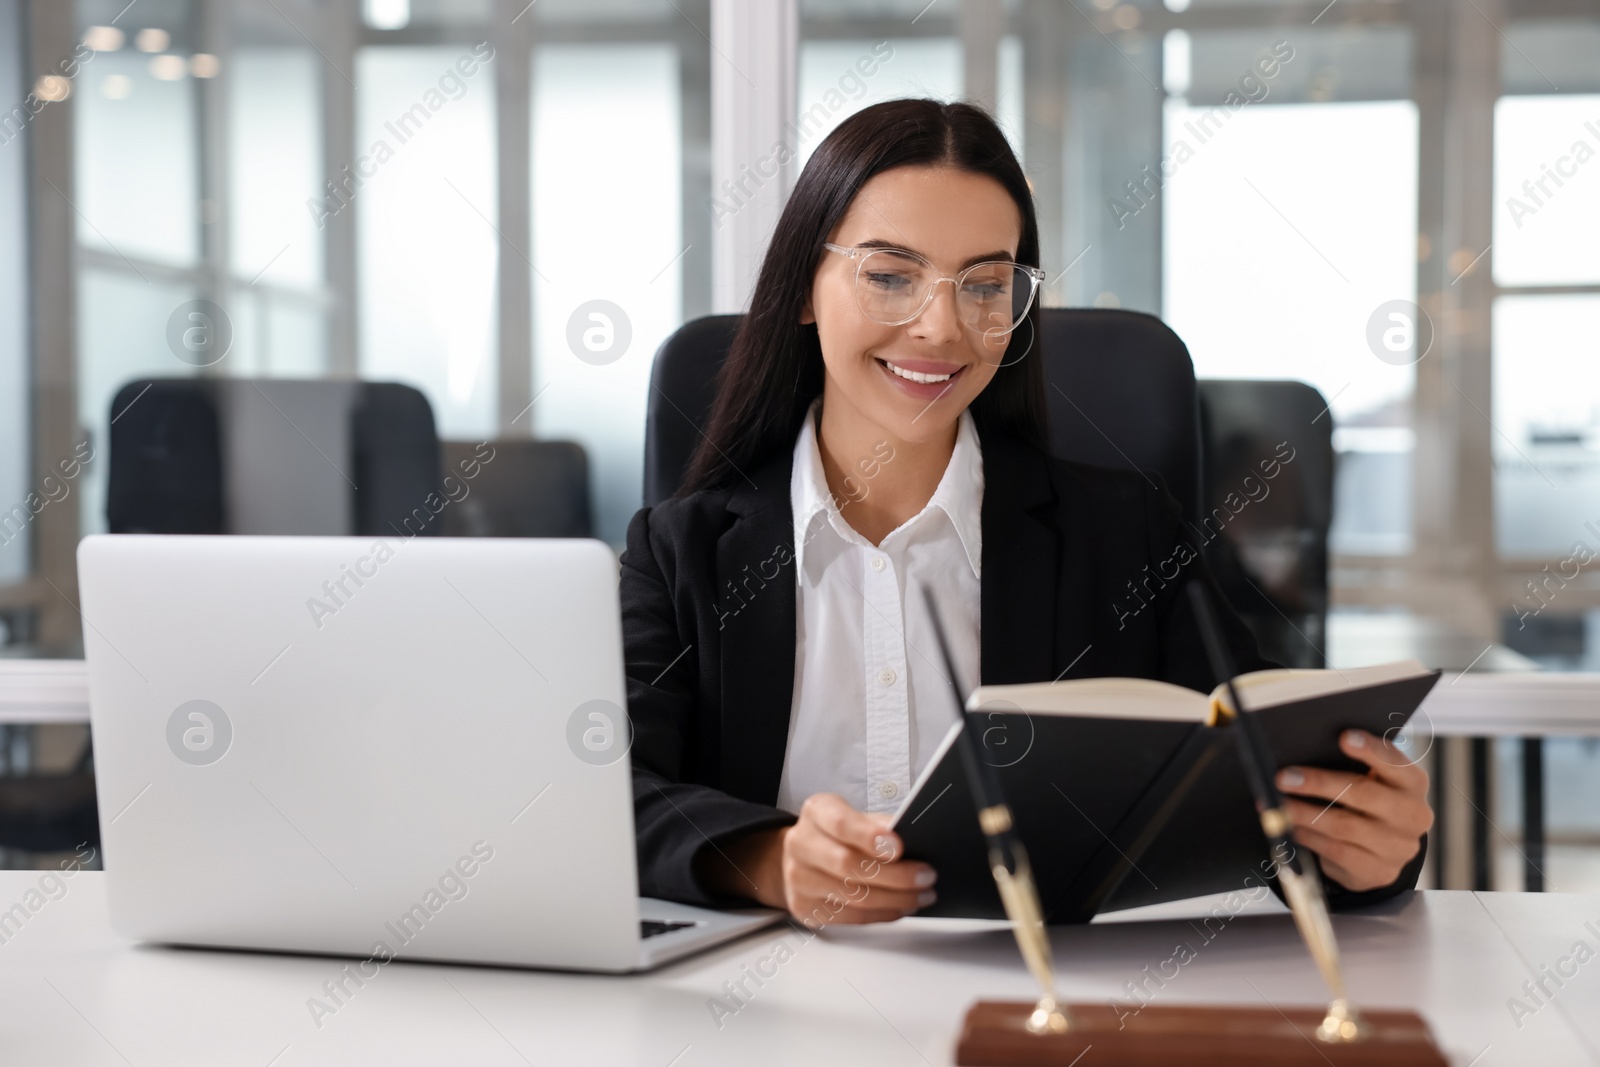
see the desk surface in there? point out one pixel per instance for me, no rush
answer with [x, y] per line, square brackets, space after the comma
[73, 992]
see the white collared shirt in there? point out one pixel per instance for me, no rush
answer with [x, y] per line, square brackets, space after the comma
[871, 702]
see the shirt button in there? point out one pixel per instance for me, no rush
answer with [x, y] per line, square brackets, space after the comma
[886, 676]
[887, 789]
[877, 563]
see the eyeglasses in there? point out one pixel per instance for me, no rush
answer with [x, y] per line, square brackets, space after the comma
[894, 286]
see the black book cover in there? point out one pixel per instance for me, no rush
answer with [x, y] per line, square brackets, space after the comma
[1119, 813]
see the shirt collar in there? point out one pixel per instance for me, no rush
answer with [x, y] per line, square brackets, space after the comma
[959, 493]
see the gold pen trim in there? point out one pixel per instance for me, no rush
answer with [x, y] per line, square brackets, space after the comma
[1275, 821]
[1309, 907]
[1021, 899]
[995, 819]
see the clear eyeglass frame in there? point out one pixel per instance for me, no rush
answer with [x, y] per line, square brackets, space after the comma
[1035, 276]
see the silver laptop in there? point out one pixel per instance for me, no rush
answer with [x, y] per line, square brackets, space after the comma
[381, 748]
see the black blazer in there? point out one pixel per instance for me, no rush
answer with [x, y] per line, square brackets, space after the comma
[1080, 575]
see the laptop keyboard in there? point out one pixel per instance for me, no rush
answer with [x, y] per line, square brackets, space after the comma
[654, 927]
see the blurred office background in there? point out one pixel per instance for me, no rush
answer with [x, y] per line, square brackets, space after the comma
[1395, 202]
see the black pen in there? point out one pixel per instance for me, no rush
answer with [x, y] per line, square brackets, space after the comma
[1301, 885]
[1008, 861]
[1260, 767]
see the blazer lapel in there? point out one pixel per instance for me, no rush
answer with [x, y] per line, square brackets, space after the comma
[756, 583]
[1021, 561]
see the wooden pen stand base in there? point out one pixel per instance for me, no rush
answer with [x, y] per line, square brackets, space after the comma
[995, 1035]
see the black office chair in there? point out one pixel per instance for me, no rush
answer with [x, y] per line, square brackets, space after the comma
[683, 382]
[1120, 388]
[1122, 394]
[528, 489]
[50, 812]
[1268, 543]
[279, 456]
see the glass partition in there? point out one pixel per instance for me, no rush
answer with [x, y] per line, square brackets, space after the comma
[426, 227]
[608, 252]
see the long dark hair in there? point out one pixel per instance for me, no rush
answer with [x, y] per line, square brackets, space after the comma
[774, 369]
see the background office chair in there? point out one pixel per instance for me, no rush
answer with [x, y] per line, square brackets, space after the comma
[529, 489]
[1271, 556]
[1119, 384]
[271, 456]
[50, 812]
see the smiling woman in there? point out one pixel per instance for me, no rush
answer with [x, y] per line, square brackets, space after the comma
[957, 195]
[774, 742]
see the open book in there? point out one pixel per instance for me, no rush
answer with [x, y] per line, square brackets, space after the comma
[1143, 698]
[1128, 791]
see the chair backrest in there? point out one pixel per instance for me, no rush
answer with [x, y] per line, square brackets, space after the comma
[683, 381]
[527, 489]
[1268, 507]
[1122, 394]
[271, 456]
[1119, 384]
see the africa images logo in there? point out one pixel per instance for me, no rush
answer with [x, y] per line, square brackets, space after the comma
[199, 732]
[599, 732]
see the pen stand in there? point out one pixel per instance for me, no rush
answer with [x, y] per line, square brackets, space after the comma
[1002, 1033]
[996, 1034]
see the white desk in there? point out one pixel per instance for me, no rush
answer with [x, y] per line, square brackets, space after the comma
[72, 992]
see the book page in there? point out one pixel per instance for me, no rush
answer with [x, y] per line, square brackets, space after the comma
[1265, 689]
[1108, 698]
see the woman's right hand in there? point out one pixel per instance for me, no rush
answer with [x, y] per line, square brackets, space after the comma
[836, 865]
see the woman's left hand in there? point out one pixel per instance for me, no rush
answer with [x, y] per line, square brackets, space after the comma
[1364, 827]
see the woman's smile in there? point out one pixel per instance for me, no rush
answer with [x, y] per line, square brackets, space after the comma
[921, 378]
